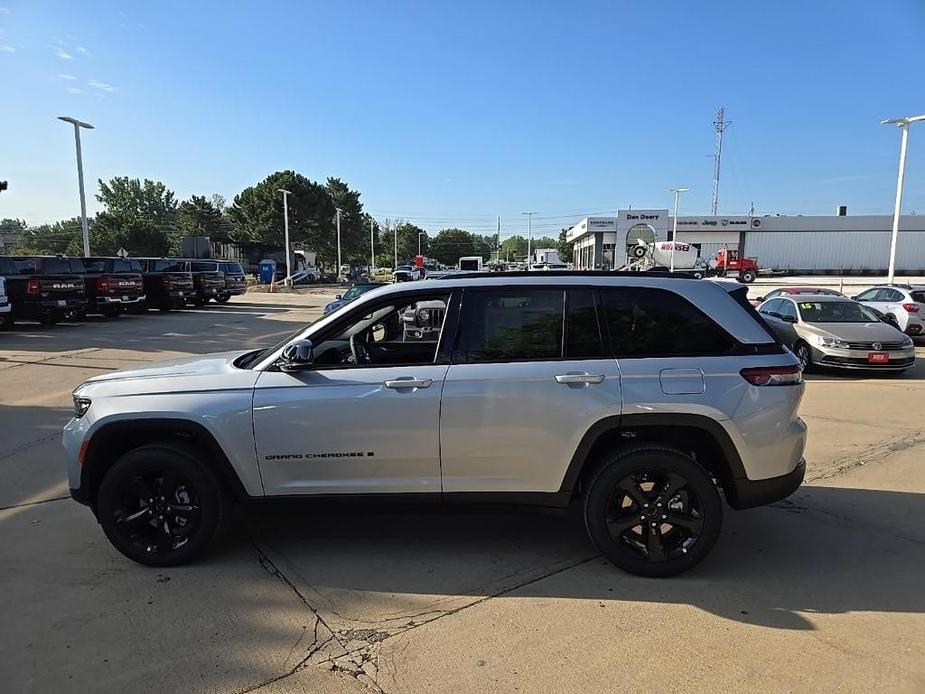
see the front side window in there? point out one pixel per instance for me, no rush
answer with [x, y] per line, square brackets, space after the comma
[869, 295]
[646, 322]
[513, 325]
[404, 330]
[787, 309]
[771, 308]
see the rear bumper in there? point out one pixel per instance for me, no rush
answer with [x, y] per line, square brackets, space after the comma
[745, 493]
[119, 301]
[36, 309]
[5, 307]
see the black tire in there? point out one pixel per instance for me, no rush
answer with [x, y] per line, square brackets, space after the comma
[804, 353]
[748, 276]
[182, 514]
[621, 524]
[49, 318]
[7, 321]
[110, 312]
[199, 302]
[223, 298]
[165, 307]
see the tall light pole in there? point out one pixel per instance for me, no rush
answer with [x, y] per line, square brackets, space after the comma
[80, 179]
[338, 241]
[529, 232]
[372, 246]
[904, 124]
[674, 226]
[286, 195]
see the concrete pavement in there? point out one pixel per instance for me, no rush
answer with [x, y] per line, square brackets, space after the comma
[819, 592]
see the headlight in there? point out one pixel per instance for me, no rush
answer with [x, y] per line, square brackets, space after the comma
[81, 405]
[423, 315]
[907, 342]
[827, 341]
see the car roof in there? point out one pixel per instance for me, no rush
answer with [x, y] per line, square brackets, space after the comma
[820, 297]
[809, 290]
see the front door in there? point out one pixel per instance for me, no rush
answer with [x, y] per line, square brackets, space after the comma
[364, 418]
[528, 379]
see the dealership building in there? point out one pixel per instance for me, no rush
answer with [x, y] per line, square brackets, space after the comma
[798, 244]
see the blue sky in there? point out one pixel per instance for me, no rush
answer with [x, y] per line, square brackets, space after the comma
[452, 113]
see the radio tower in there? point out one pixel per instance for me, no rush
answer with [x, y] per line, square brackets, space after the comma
[720, 125]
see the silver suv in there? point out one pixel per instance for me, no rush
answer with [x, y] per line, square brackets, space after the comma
[644, 398]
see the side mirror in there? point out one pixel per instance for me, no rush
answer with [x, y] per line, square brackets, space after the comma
[297, 355]
[759, 298]
[789, 319]
[339, 296]
[855, 298]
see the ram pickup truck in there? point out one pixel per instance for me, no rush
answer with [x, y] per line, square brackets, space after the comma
[44, 288]
[113, 285]
[168, 282]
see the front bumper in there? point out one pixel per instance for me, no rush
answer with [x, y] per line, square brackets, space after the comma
[899, 359]
[745, 493]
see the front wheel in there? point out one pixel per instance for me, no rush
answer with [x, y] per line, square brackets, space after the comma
[7, 321]
[804, 353]
[222, 298]
[748, 276]
[653, 511]
[160, 505]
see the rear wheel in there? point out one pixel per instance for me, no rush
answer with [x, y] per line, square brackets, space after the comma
[6, 321]
[49, 318]
[223, 298]
[653, 511]
[160, 505]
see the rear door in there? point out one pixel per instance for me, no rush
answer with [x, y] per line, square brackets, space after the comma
[529, 376]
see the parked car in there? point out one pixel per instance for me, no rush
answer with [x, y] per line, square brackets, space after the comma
[355, 292]
[6, 309]
[904, 302]
[406, 273]
[235, 281]
[113, 285]
[837, 332]
[208, 281]
[168, 282]
[637, 397]
[44, 288]
[791, 291]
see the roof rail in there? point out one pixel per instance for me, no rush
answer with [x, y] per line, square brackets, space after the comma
[681, 275]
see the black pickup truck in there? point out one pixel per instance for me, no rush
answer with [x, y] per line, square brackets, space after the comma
[113, 285]
[235, 281]
[208, 281]
[168, 282]
[45, 289]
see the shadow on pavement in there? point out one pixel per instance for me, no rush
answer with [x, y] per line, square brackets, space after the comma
[814, 553]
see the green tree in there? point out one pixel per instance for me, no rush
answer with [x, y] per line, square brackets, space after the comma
[354, 224]
[450, 244]
[514, 248]
[564, 246]
[257, 214]
[140, 216]
[48, 239]
[200, 217]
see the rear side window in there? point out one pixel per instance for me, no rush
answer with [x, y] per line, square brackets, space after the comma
[918, 297]
[76, 266]
[582, 330]
[119, 265]
[26, 266]
[233, 268]
[513, 325]
[8, 267]
[56, 266]
[645, 322]
[203, 267]
[168, 266]
[95, 265]
[134, 265]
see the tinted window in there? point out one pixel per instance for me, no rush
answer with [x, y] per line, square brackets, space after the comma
[513, 325]
[889, 295]
[168, 266]
[771, 307]
[95, 264]
[26, 266]
[204, 267]
[582, 333]
[134, 265]
[119, 265]
[8, 267]
[868, 295]
[787, 309]
[233, 268]
[918, 297]
[651, 322]
[76, 266]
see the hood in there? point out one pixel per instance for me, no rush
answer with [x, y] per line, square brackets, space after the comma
[857, 332]
[202, 372]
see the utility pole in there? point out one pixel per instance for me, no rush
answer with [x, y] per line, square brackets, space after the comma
[286, 195]
[529, 232]
[395, 264]
[80, 179]
[674, 226]
[903, 124]
[719, 125]
[372, 246]
[338, 241]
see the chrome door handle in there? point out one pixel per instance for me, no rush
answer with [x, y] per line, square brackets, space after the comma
[409, 382]
[579, 378]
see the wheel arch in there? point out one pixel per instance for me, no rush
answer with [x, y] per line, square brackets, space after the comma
[699, 436]
[114, 439]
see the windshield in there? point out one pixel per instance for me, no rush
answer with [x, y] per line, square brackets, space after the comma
[357, 289]
[835, 312]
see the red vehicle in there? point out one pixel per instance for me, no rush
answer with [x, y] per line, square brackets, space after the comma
[781, 291]
[728, 263]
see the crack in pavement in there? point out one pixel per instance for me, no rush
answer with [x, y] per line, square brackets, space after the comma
[34, 503]
[26, 446]
[871, 454]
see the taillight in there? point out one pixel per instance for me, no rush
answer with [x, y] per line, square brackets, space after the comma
[773, 375]
[32, 287]
[911, 308]
[102, 284]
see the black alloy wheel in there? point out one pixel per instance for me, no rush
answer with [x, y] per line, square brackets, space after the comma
[159, 505]
[653, 511]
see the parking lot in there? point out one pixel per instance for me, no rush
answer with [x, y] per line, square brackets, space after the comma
[822, 591]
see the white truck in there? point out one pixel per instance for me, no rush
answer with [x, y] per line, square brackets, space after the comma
[470, 263]
[646, 256]
[547, 256]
